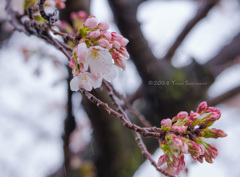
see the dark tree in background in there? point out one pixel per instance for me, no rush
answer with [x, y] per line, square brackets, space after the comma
[116, 151]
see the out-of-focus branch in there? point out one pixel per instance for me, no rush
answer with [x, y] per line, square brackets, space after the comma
[138, 94]
[225, 57]
[5, 33]
[125, 17]
[225, 96]
[202, 12]
[69, 126]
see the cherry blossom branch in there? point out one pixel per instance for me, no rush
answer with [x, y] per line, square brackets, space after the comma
[148, 155]
[202, 12]
[175, 135]
[147, 132]
[137, 114]
[138, 138]
[66, 36]
[31, 27]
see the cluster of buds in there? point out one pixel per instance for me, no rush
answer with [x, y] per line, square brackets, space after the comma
[98, 55]
[184, 136]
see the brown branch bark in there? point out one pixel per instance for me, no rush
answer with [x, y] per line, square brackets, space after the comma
[115, 151]
[225, 57]
[69, 126]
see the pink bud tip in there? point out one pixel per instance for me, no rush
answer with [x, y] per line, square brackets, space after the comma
[103, 26]
[82, 14]
[104, 43]
[161, 160]
[166, 122]
[124, 41]
[94, 34]
[194, 116]
[202, 106]
[72, 63]
[91, 22]
[221, 133]
[182, 115]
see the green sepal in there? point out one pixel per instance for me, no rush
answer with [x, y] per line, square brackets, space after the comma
[167, 129]
[83, 31]
[39, 19]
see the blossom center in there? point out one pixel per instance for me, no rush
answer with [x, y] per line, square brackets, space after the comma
[95, 55]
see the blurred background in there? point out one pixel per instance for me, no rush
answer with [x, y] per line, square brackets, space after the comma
[46, 130]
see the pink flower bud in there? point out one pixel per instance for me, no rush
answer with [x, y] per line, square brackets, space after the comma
[73, 16]
[216, 110]
[116, 44]
[181, 165]
[208, 158]
[215, 115]
[200, 158]
[72, 62]
[179, 129]
[195, 149]
[124, 52]
[166, 122]
[209, 109]
[177, 142]
[221, 133]
[94, 34]
[185, 148]
[182, 115]
[115, 54]
[117, 37]
[107, 34]
[120, 63]
[212, 151]
[82, 14]
[91, 22]
[104, 43]
[201, 107]
[63, 24]
[124, 41]
[103, 26]
[60, 4]
[194, 116]
[161, 160]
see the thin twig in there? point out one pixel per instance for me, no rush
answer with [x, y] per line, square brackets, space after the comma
[64, 35]
[147, 132]
[137, 114]
[202, 12]
[60, 47]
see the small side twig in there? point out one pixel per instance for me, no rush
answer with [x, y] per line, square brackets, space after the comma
[137, 114]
